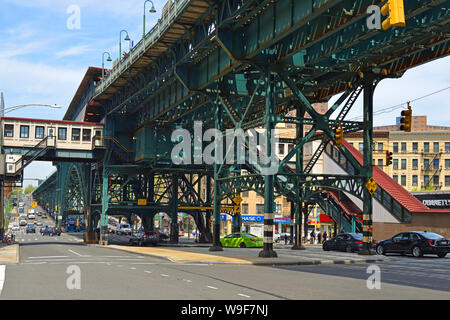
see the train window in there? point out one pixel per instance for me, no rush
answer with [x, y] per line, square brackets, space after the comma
[9, 130]
[24, 131]
[76, 134]
[98, 133]
[86, 134]
[62, 133]
[39, 132]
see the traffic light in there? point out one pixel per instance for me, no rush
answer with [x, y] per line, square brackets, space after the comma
[388, 158]
[339, 135]
[395, 11]
[405, 121]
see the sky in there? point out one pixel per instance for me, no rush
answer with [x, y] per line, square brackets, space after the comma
[45, 52]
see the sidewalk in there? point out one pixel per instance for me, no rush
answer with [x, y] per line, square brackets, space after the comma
[200, 254]
[9, 254]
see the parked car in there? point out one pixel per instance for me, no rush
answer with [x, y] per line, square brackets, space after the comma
[416, 243]
[241, 240]
[123, 228]
[31, 216]
[31, 228]
[143, 238]
[348, 242]
[51, 231]
[39, 223]
[15, 227]
[23, 222]
[279, 237]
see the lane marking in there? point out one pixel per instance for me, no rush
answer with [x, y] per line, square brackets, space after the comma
[78, 254]
[164, 275]
[213, 288]
[243, 295]
[133, 268]
[148, 271]
[48, 257]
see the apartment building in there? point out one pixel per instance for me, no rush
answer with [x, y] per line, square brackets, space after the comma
[420, 160]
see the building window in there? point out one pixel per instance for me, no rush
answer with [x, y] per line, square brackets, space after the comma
[403, 164]
[447, 163]
[415, 164]
[380, 146]
[395, 178]
[447, 147]
[245, 194]
[403, 180]
[259, 208]
[76, 134]
[361, 147]
[245, 208]
[415, 147]
[435, 147]
[447, 181]
[415, 180]
[9, 130]
[426, 147]
[290, 147]
[435, 181]
[395, 164]
[436, 164]
[395, 147]
[86, 134]
[426, 164]
[281, 148]
[380, 163]
[39, 132]
[426, 180]
[62, 133]
[403, 147]
[24, 131]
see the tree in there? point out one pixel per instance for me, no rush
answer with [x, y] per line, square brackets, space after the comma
[29, 189]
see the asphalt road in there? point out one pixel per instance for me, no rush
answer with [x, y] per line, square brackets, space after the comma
[52, 268]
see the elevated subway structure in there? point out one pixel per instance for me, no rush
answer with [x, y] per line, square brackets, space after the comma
[242, 65]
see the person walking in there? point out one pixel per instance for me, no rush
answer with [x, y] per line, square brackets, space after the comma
[313, 237]
[325, 236]
[319, 238]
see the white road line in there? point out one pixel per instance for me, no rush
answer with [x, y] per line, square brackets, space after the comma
[164, 275]
[133, 268]
[48, 257]
[2, 277]
[78, 254]
[213, 288]
[243, 295]
[148, 271]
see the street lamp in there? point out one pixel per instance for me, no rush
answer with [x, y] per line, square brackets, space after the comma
[103, 64]
[127, 38]
[9, 109]
[152, 10]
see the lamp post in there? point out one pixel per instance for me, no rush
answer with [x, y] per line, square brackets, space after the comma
[152, 10]
[127, 38]
[2, 178]
[103, 64]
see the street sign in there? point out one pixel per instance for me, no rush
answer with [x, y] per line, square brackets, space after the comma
[237, 209]
[237, 199]
[142, 202]
[371, 185]
[34, 204]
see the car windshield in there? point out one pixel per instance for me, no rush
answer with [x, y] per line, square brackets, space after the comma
[430, 235]
[357, 236]
[250, 235]
[125, 226]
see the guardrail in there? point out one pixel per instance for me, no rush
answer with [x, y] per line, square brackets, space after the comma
[142, 46]
[114, 144]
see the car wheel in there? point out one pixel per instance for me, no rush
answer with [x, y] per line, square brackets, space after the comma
[417, 252]
[380, 250]
[242, 245]
[348, 249]
[442, 254]
[325, 248]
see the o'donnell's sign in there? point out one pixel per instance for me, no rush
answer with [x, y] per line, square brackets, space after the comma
[434, 200]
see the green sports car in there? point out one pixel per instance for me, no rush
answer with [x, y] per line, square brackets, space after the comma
[241, 240]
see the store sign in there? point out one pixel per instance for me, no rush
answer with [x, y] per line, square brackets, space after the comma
[252, 218]
[282, 220]
[435, 201]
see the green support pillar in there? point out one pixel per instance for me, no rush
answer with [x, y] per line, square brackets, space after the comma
[105, 205]
[237, 223]
[268, 251]
[174, 237]
[367, 166]
[216, 245]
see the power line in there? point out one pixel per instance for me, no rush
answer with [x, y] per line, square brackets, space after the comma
[398, 106]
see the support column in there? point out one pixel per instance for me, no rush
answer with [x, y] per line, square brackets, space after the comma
[2, 208]
[237, 222]
[216, 245]
[367, 167]
[268, 251]
[105, 205]
[174, 211]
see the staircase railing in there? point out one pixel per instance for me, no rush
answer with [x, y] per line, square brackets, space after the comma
[33, 154]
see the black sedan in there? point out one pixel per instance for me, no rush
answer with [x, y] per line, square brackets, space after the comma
[348, 242]
[416, 243]
[144, 238]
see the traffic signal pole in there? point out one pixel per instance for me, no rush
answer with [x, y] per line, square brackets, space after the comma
[369, 88]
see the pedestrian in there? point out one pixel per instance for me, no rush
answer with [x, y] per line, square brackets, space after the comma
[313, 237]
[325, 236]
[285, 238]
[319, 238]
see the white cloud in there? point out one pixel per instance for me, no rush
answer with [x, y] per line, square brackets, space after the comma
[73, 51]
